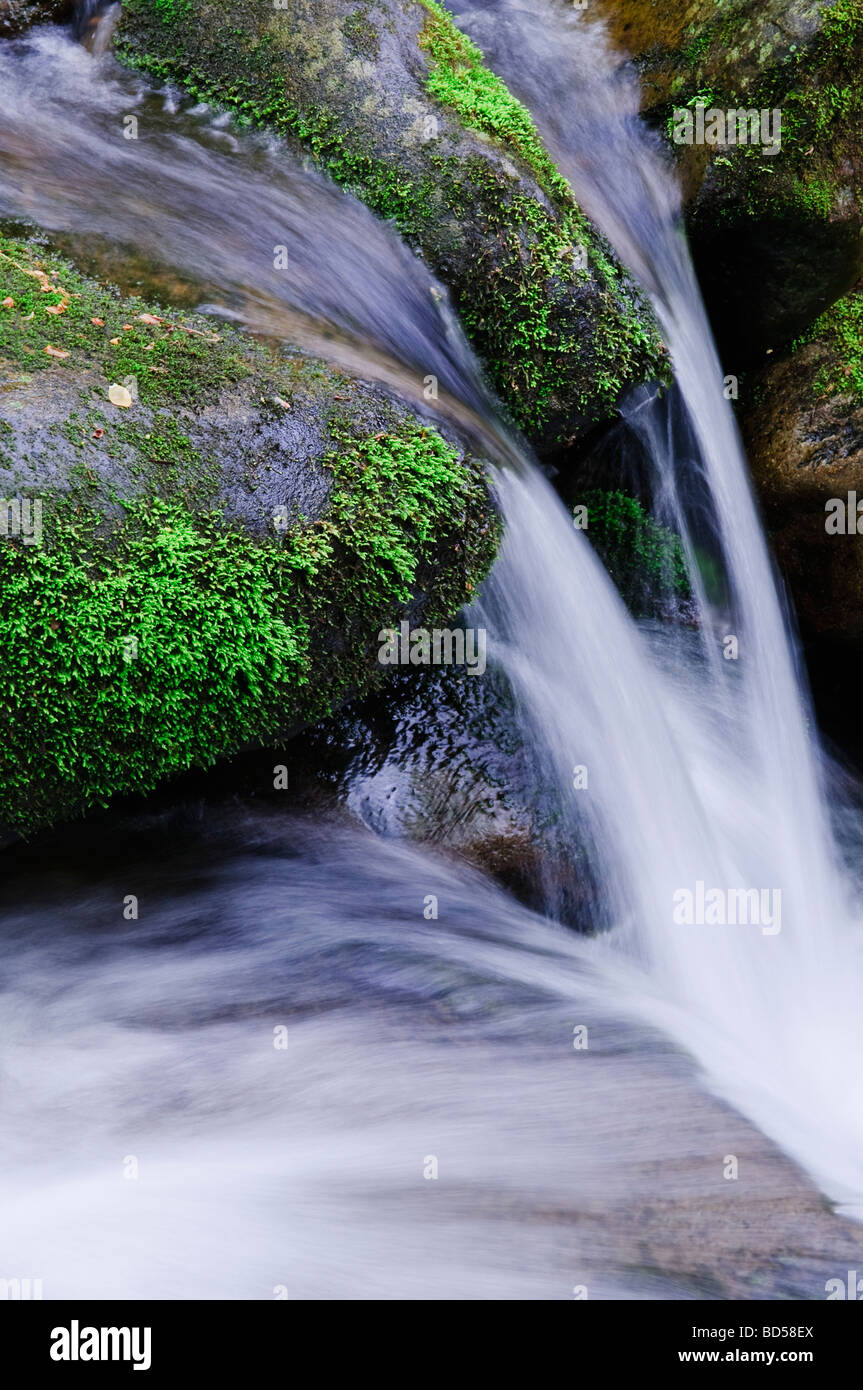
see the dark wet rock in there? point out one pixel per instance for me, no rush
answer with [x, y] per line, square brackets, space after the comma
[18, 15]
[776, 238]
[804, 435]
[437, 757]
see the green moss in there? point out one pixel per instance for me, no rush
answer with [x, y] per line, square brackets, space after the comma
[460, 79]
[360, 32]
[131, 652]
[245, 73]
[521, 338]
[173, 9]
[840, 331]
[817, 88]
[645, 559]
[516, 290]
[188, 363]
[813, 196]
[537, 360]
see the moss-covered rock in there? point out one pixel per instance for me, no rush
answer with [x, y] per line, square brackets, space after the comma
[777, 238]
[398, 105]
[217, 551]
[804, 434]
[645, 559]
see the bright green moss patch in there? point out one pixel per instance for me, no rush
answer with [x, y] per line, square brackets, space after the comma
[527, 347]
[131, 652]
[124, 662]
[537, 358]
[840, 331]
[645, 559]
[460, 79]
[174, 9]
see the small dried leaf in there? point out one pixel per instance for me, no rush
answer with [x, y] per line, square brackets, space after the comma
[56, 309]
[148, 318]
[100, 323]
[56, 352]
[97, 434]
[9, 303]
[118, 395]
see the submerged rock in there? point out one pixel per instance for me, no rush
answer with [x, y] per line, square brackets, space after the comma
[398, 106]
[804, 433]
[18, 15]
[200, 538]
[776, 236]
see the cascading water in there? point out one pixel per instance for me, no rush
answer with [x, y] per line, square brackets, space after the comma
[450, 1039]
[708, 770]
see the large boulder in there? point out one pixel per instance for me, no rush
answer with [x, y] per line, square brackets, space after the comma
[398, 105]
[200, 538]
[804, 435]
[776, 237]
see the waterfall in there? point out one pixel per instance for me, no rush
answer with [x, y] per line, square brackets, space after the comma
[702, 769]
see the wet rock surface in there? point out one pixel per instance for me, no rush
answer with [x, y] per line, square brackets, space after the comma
[776, 237]
[18, 15]
[204, 533]
[804, 436]
[396, 104]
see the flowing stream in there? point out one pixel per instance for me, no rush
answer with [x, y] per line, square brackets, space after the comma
[430, 1129]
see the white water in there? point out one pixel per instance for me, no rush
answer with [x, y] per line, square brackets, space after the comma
[707, 769]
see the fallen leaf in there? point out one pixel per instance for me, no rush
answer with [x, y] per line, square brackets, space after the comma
[56, 352]
[127, 328]
[114, 342]
[118, 395]
[148, 318]
[277, 400]
[9, 303]
[100, 323]
[97, 434]
[56, 309]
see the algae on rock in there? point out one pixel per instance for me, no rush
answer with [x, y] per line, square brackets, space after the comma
[215, 560]
[398, 105]
[776, 237]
